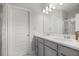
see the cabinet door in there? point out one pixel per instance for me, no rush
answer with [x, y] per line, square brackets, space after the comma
[36, 47]
[67, 51]
[40, 49]
[51, 44]
[50, 52]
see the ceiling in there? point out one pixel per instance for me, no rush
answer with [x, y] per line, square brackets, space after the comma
[38, 7]
[35, 7]
[69, 6]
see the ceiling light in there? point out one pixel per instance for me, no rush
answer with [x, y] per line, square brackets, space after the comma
[50, 5]
[47, 8]
[54, 7]
[43, 11]
[46, 12]
[50, 9]
[61, 3]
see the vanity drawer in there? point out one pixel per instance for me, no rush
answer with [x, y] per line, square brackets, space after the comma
[51, 44]
[40, 49]
[67, 51]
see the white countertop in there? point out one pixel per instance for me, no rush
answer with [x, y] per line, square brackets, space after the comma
[72, 43]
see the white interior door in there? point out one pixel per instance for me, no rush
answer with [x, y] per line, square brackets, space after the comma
[21, 32]
[18, 31]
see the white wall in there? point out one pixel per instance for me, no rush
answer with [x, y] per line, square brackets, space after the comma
[37, 22]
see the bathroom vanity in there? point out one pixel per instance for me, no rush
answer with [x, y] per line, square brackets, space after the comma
[55, 46]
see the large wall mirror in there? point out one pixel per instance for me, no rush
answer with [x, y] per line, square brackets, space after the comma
[60, 19]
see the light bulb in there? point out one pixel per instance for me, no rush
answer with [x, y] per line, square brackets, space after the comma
[47, 8]
[50, 5]
[46, 12]
[43, 11]
[50, 9]
[54, 7]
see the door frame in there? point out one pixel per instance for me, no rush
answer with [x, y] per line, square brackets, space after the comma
[5, 38]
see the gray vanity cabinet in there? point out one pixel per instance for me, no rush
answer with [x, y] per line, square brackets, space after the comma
[44, 47]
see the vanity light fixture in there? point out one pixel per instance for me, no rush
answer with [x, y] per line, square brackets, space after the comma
[47, 8]
[50, 5]
[44, 11]
[53, 7]
[47, 12]
[50, 9]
